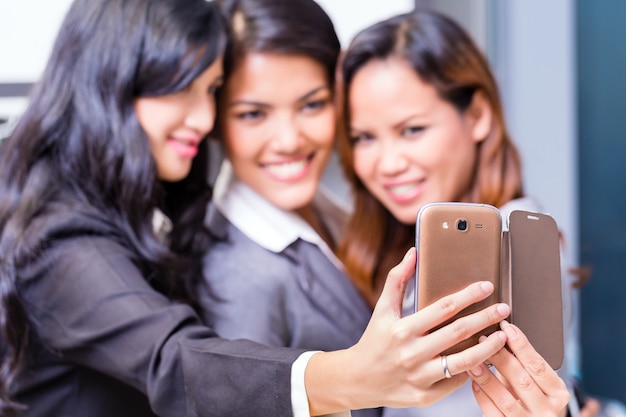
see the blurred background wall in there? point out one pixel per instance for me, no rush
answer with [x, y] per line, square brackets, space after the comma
[601, 65]
[561, 66]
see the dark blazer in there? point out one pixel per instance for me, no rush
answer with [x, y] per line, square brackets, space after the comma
[296, 298]
[106, 344]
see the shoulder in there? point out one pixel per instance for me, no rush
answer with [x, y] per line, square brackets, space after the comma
[81, 285]
[233, 258]
[84, 261]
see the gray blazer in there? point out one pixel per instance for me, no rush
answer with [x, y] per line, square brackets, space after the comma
[295, 298]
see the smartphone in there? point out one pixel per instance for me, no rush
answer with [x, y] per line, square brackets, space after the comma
[535, 282]
[457, 244]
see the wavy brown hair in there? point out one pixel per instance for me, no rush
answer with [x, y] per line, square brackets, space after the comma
[444, 55]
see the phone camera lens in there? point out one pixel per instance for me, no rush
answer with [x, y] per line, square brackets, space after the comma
[461, 225]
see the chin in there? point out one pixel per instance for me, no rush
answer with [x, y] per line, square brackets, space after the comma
[288, 202]
[406, 217]
[174, 176]
[409, 221]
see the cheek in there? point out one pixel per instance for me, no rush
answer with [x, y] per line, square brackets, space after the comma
[235, 144]
[364, 164]
[454, 168]
[442, 149]
[321, 129]
[143, 113]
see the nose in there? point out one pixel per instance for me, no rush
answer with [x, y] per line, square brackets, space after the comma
[287, 134]
[391, 159]
[201, 113]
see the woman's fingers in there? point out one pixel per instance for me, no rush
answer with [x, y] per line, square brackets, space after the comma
[471, 357]
[533, 372]
[485, 403]
[393, 292]
[492, 396]
[525, 384]
[446, 307]
[467, 326]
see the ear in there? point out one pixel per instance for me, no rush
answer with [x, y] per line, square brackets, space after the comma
[479, 116]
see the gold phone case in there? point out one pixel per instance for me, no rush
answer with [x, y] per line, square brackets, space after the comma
[523, 264]
[457, 244]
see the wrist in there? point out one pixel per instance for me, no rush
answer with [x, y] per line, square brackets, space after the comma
[328, 383]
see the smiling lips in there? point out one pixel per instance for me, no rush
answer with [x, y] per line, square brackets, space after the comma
[185, 147]
[406, 192]
[289, 171]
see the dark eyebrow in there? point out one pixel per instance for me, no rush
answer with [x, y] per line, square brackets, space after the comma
[405, 120]
[313, 92]
[265, 105]
[249, 103]
[395, 125]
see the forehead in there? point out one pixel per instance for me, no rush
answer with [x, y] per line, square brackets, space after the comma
[389, 88]
[272, 75]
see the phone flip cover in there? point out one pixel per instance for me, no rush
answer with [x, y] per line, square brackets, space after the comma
[449, 259]
[535, 282]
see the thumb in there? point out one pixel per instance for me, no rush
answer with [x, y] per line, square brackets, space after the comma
[393, 292]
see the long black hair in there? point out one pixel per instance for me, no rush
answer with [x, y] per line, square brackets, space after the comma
[79, 151]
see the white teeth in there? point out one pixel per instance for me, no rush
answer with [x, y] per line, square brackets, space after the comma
[402, 189]
[286, 170]
[184, 142]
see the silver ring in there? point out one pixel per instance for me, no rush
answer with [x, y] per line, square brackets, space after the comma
[444, 365]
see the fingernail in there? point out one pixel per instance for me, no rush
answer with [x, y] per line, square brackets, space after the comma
[511, 331]
[503, 309]
[406, 255]
[478, 371]
[486, 286]
[482, 339]
[501, 336]
[475, 386]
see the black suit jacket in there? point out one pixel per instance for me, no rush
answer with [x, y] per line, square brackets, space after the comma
[106, 344]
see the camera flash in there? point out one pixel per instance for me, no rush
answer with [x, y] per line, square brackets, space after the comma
[444, 225]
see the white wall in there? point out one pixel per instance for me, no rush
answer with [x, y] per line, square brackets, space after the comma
[27, 31]
[472, 15]
[536, 69]
[351, 16]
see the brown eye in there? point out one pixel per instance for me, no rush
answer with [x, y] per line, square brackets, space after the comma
[315, 105]
[361, 138]
[411, 131]
[250, 115]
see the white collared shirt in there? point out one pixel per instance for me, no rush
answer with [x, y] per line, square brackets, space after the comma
[269, 226]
